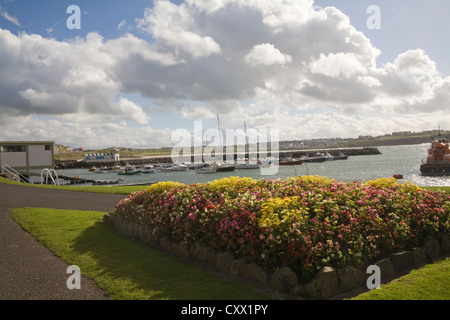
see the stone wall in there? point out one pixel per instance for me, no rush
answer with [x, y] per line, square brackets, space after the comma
[329, 283]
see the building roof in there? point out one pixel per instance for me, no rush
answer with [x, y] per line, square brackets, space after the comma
[5, 143]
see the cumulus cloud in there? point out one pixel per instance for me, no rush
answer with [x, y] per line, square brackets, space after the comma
[45, 76]
[247, 59]
[175, 26]
[267, 54]
[131, 111]
[338, 65]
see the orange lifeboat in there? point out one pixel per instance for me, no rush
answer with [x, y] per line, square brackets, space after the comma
[438, 159]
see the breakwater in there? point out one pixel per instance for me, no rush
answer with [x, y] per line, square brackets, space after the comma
[76, 164]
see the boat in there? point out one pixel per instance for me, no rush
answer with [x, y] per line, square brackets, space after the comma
[148, 168]
[93, 169]
[289, 161]
[174, 167]
[102, 169]
[329, 157]
[318, 157]
[437, 162]
[106, 182]
[167, 168]
[129, 170]
[247, 165]
[223, 167]
[341, 156]
[157, 166]
[180, 167]
[206, 168]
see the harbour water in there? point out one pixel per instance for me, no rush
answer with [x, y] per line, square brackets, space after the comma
[404, 160]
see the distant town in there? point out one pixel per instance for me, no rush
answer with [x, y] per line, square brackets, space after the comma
[394, 138]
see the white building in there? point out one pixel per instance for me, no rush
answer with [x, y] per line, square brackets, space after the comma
[27, 157]
[113, 156]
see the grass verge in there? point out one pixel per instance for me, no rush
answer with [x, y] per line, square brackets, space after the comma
[94, 189]
[122, 267]
[431, 282]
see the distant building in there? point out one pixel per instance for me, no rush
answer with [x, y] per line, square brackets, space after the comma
[113, 156]
[27, 157]
[401, 133]
[365, 137]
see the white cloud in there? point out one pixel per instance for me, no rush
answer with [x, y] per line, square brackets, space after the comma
[86, 134]
[173, 25]
[10, 18]
[280, 63]
[267, 54]
[338, 65]
[282, 14]
[197, 113]
[122, 24]
[131, 111]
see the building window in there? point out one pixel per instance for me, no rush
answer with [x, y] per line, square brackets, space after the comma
[13, 149]
[48, 147]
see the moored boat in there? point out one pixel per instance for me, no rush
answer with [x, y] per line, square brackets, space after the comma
[106, 182]
[174, 167]
[148, 168]
[102, 169]
[247, 164]
[437, 162]
[341, 156]
[129, 170]
[318, 157]
[206, 168]
[223, 167]
[289, 161]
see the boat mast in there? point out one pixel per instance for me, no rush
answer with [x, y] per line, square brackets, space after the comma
[246, 149]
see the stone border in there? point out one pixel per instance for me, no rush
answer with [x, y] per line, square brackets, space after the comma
[327, 284]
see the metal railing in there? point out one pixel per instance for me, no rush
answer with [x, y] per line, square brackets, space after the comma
[49, 173]
[14, 174]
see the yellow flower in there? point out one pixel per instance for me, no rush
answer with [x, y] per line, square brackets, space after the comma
[160, 187]
[278, 211]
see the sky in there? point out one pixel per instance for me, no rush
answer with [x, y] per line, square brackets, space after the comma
[134, 73]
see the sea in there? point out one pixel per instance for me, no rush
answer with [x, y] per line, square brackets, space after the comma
[403, 159]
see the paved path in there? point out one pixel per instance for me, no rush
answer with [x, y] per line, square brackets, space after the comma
[28, 270]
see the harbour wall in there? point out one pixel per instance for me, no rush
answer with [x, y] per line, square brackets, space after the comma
[75, 164]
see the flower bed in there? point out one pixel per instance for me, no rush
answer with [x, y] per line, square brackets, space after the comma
[305, 223]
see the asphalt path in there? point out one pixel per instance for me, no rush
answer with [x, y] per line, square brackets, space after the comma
[29, 270]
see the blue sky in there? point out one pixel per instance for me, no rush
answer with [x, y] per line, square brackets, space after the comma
[138, 70]
[405, 25]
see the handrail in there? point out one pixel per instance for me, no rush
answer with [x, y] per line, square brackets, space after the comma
[20, 177]
[49, 173]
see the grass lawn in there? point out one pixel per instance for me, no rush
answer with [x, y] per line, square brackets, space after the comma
[126, 189]
[431, 282]
[94, 189]
[122, 267]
